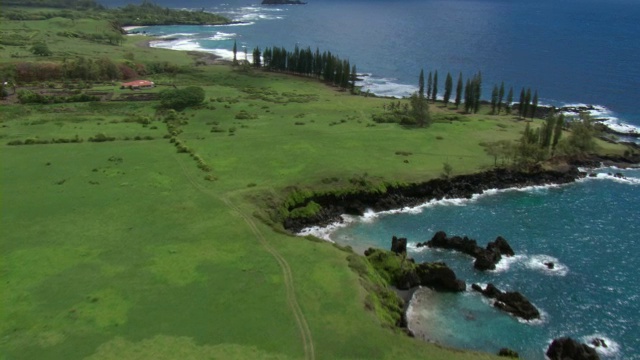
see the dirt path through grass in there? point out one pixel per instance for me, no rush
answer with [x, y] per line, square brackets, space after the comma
[294, 306]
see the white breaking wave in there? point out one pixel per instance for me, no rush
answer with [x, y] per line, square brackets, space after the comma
[176, 35]
[611, 177]
[606, 117]
[219, 36]
[506, 261]
[370, 216]
[612, 346]
[539, 263]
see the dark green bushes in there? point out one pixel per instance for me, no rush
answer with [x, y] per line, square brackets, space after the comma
[180, 99]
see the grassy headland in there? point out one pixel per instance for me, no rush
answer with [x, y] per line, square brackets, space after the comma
[118, 248]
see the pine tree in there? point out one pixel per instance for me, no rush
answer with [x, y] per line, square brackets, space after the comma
[468, 103]
[534, 104]
[459, 91]
[354, 76]
[421, 84]
[477, 88]
[500, 96]
[557, 133]
[494, 99]
[429, 85]
[546, 134]
[521, 103]
[434, 91]
[527, 103]
[509, 100]
[235, 52]
[256, 57]
[448, 88]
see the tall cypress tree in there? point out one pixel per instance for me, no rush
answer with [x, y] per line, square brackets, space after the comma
[235, 51]
[477, 88]
[429, 85]
[534, 104]
[527, 103]
[494, 99]
[468, 96]
[459, 91]
[500, 96]
[557, 133]
[509, 101]
[434, 91]
[256, 57]
[521, 103]
[421, 84]
[448, 88]
[354, 76]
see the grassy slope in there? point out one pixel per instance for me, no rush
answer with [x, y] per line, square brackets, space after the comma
[144, 255]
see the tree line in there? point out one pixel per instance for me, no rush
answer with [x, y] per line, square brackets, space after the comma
[82, 68]
[471, 92]
[325, 66]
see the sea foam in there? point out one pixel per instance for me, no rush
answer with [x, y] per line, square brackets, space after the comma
[612, 346]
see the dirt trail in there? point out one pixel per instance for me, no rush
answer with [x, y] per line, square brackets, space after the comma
[292, 301]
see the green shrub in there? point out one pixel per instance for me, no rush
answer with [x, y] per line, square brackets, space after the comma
[180, 99]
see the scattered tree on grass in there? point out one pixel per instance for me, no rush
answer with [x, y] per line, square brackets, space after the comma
[500, 96]
[581, 138]
[429, 85]
[421, 83]
[459, 91]
[235, 52]
[448, 88]
[180, 99]
[509, 101]
[420, 110]
[557, 133]
[494, 99]
[256, 57]
[534, 104]
[434, 91]
[41, 49]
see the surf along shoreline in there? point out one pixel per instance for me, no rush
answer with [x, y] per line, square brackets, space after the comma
[332, 205]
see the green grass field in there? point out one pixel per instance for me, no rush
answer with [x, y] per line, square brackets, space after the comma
[123, 250]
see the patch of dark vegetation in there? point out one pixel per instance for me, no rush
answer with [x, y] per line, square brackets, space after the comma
[330, 180]
[37, 141]
[244, 115]
[299, 123]
[404, 153]
[30, 97]
[101, 137]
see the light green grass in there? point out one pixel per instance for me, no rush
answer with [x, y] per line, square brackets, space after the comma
[117, 249]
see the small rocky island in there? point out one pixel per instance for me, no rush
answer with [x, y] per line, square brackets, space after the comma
[283, 2]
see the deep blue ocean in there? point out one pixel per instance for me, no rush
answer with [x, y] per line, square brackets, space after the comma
[572, 52]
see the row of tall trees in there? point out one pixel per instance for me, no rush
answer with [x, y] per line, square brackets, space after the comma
[471, 91]
[325, 65]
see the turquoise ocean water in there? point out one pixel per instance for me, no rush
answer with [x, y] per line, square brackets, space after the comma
[572, 52]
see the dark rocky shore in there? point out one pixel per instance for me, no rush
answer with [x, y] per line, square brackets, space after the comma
[460, 187]
[397, 197]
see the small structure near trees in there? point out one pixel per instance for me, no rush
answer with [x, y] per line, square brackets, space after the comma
[138, 84]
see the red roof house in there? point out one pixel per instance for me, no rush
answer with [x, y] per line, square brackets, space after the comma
[138, 84]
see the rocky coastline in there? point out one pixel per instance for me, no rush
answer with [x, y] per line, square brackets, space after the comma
[356, 202]
[333, 205]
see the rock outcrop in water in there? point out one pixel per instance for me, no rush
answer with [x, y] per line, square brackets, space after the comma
[486, 258]
[511, 302]
[567, 348]
[404, 273]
